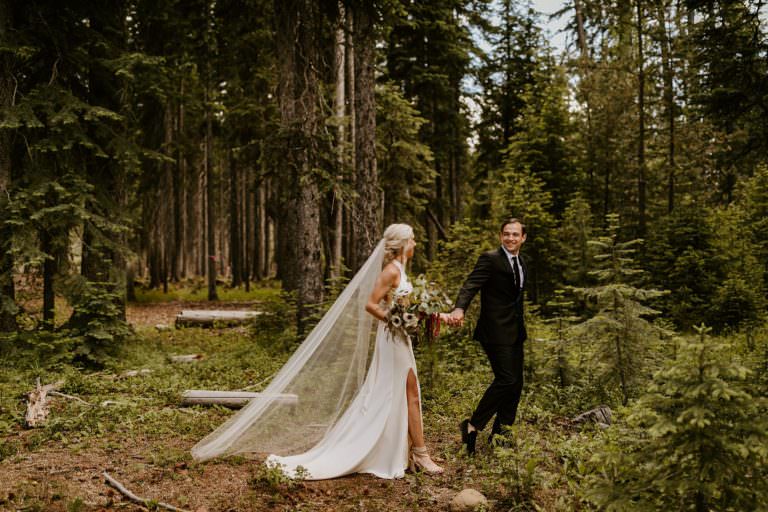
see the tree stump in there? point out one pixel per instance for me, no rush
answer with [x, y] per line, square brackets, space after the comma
[37, 404]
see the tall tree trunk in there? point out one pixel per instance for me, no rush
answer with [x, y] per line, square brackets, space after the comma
[177, 182]
[8, 306]
[202, 200]
[299, 22]
[49, 271]
[641, 112]
[669, 99]
[586, 79]
[209, 172]
[350, 252]
[261, 233]
[168, 199]
[234, 223]
[366, 219]
[248, 216]
[339, 108]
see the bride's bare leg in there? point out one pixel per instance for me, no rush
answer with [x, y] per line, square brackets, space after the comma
[419, 455]
[415, 428]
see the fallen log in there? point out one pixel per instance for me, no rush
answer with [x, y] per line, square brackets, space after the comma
[37, 404]
[233, 399]
[186, 358]
[200, 318]
[136, 499]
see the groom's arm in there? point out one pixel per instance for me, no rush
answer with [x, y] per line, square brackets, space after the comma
[476, 279]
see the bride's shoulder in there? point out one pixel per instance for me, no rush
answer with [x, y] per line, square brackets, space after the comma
[391, 273]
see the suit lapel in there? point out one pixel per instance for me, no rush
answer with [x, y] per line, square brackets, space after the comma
[505, 259]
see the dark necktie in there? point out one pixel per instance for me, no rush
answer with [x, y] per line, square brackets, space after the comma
[516, 271]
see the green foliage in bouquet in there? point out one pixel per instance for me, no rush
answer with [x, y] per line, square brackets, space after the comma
[417, 314]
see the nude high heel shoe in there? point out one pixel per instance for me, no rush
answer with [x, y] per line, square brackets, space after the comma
[419, 459]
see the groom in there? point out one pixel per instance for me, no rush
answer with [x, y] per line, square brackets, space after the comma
[499, 276]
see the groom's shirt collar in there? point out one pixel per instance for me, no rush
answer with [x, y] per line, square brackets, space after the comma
[521, 277]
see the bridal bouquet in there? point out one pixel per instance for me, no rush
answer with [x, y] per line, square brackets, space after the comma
[418, 313]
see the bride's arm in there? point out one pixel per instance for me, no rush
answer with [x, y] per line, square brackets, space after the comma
[387, 280]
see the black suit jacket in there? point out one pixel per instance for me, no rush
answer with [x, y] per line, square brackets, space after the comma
[501, 302]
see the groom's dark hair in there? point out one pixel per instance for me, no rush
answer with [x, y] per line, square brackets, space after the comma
[511, 220]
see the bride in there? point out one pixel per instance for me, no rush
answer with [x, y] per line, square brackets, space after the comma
[323, 415]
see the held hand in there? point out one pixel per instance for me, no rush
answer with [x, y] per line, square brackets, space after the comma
[456, 318]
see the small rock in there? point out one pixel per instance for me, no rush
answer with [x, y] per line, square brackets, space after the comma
[600, 415]
[163, 327]
[468, 499]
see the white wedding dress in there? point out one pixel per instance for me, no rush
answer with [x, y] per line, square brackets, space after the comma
[371, 436]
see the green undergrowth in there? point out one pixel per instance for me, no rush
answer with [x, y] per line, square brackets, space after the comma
[547, 463]
[124, 408]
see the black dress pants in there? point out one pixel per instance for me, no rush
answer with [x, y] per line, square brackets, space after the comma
[503, 395]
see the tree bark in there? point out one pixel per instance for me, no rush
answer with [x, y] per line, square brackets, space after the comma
[234, 223]
[349, 251]
[641, 128]
[7, 292]
[669, 100]
[248, 217]
[168, 200]
[339, 109]
[182, 195]
[49, 270]
[210, 183]
[261, 233]
[366, 219]
[300, 116]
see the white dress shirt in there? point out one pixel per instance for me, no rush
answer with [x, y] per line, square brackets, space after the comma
[521, 275]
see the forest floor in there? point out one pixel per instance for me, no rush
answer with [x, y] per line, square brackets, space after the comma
[134, 429]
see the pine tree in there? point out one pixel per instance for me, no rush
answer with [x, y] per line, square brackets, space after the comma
[700, 439]
[620, 336]
[404, 162]
[683, 259]
[562, 318]
[507, 72]
[573, 237]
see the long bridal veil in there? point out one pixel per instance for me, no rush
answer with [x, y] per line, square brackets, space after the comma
[314, 387]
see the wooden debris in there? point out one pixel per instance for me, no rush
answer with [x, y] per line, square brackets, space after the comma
[134, 373]
[200, 318]
[37, 404]
[107, 403]
[69, 397]
[136, 499]
[186, 358]
[232, 399]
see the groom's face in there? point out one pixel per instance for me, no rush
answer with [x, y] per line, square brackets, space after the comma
[512, 237]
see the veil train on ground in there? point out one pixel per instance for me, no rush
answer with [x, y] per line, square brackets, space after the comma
[325, 374]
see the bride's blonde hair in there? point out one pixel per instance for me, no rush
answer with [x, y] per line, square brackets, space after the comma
[395, 238]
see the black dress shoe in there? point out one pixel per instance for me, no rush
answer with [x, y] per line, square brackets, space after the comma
[467, 437]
